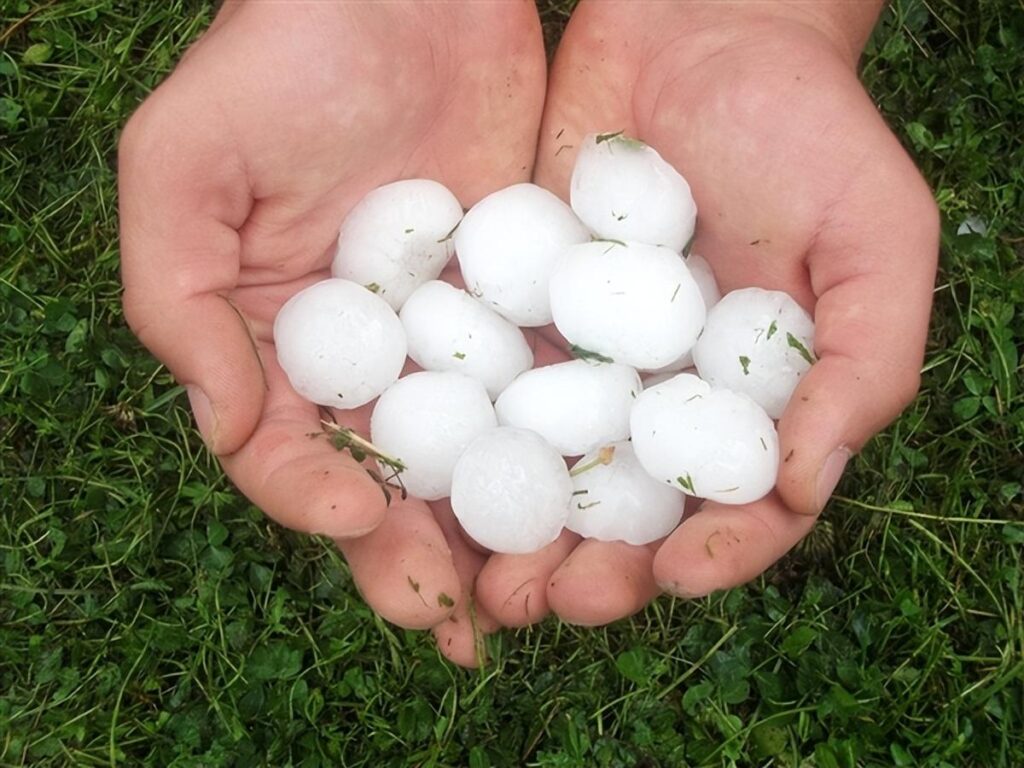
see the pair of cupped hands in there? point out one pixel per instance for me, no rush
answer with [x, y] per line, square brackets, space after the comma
[236, 172]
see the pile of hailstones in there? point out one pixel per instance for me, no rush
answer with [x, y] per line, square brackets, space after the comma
[480, 424]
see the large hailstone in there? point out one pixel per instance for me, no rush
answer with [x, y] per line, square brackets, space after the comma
[759, 343]
[426, 420]
[618, 501]
[397, 237]
[511, 491]
[635, 304]
[339, 344]
[711, 443]
[507, 246]
[576, 406]
[449, 330]
[701, 272]
[623, 190]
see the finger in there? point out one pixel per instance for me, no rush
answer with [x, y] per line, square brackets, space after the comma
[602, 582]
[461, 636]
[403, 568]
[180, 211]
[513, 588]
[872, 267]
[721, 546]
[300, 480]
[588, 38]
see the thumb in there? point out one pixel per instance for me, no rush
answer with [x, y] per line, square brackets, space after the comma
[872, 268]
[182, 196]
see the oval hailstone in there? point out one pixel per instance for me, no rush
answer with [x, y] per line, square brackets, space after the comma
[511, 491]
[507, 246]
[426, 420]
[635, 304]
[701, 273]
[449, 330]
[759, 343]
[339, 344]
[623, 190]
[397, 237]
[711, 443]
[576, 406]
[619, 501]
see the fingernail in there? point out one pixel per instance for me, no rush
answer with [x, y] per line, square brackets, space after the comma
[206, 419]
[828, 476]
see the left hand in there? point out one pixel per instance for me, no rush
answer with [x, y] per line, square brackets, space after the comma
[800, 187]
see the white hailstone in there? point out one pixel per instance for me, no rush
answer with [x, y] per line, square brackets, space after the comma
[701, 272]
[507, 246]
[759, 343]
[623, 190]
[426, 420]
[618, 500]
[397, 237]
[972, 225]
[449, 330]
[576, 406]
[511, 491]
[635, 304]
[339, 344]
[711, 443]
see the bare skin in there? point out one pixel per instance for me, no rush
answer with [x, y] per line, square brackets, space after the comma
[234, 176]
[800, 187]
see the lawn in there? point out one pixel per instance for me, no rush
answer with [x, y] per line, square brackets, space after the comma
[150, 616]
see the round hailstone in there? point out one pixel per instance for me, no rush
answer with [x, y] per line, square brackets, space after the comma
[449, 330]
[711, 443]
[339, 344]
[576, 406]
[511, 491]
[507, 246]
[635, 304]
[619, 501]
[759, 343]
[426, 420]
[623, 190]
[701, 272]
[397, 237]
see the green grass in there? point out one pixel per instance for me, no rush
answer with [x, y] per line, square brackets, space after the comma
[149, 615]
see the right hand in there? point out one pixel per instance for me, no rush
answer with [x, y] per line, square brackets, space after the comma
[234, 176]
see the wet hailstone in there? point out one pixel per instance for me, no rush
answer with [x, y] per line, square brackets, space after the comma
[508, 245]
[711, 443]
[511, 491]
[339, 344]
[426, 420]
[397, 237]
[576, 406]
[617, 500]
[759, 343]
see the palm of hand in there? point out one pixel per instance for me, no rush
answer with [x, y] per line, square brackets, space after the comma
[280, 139]
[800, 187]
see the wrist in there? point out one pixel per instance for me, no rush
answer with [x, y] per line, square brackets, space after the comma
[844, 24]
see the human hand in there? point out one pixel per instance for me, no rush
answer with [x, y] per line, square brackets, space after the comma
[800, 187]
[234, 177]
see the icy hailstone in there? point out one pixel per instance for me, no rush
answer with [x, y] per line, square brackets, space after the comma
[701, 272]
[449, 330]
[511, 491]
[620, 501]
[623, 190]
[397, 237]
[636, 304]
[711, 443]
[759, 343]
[339, 344]
[426, 420]
[576, 406]
[507, 246]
